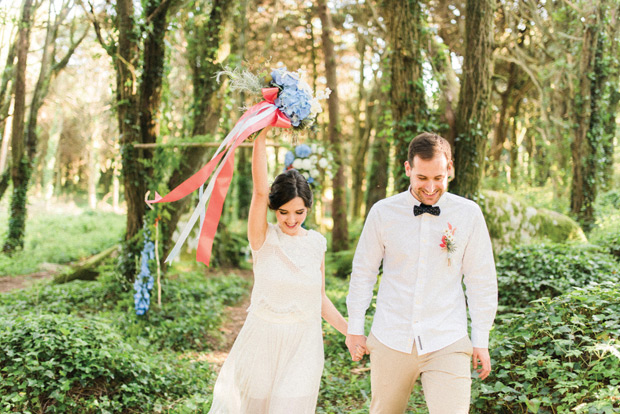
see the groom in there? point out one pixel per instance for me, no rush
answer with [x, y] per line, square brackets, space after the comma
[429, 241]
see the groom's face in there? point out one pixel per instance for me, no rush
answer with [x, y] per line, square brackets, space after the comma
[428, 178]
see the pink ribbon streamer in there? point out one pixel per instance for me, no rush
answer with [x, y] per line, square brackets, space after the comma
[224, 178]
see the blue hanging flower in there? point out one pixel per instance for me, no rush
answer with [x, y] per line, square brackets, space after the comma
[144, 281]
[289, 158]
[303, 151]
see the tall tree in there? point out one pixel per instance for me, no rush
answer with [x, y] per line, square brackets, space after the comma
[138, 96]
[340, 233]
[589, 112]
[404, 20]
[610, 80]
[473, 108]
[20, 164]
[376, 186]
[6, 97]
[49, 68]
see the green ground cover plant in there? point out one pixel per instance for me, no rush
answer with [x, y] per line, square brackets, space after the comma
[559, 355]
[529, 272]
[66, 364]
[189, 318]
[60, 238]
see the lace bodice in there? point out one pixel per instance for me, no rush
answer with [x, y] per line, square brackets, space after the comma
[287, 276]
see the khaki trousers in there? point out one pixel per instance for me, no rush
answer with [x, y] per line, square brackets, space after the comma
[445, 374]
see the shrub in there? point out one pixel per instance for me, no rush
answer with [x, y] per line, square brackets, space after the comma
[340, 264]
[529, 272]
[189, 318]
[560, 355]
[65, 364]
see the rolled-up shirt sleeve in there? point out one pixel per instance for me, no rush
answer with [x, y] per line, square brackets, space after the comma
[366, 263]
[480, 280]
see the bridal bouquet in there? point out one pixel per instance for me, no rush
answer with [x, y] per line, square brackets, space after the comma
[287, 102]
[294, 95]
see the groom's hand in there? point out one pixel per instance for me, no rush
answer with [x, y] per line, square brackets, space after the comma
[357, 346]
[481, 356]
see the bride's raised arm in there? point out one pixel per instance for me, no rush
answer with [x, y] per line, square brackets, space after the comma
[257, 219]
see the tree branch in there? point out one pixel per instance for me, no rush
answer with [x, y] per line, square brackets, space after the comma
[93, 18]
[375, 17]
[57, 67]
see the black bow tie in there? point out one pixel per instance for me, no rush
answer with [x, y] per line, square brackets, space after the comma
[424, 208]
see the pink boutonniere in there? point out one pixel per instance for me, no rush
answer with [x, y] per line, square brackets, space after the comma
[447, 241]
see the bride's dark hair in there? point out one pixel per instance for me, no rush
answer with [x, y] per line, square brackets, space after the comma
[287, 186]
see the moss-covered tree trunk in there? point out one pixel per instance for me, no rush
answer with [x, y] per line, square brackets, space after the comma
[474, 99]
[126, 61]
[612, 83]
[340, 232]
[583, 147]
[404, 20]
[204, 36]
[19, 163]
[49, 68]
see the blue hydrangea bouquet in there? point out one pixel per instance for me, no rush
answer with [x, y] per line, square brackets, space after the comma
[294, 98]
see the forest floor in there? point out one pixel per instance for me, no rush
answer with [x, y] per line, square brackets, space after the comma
[234, 316]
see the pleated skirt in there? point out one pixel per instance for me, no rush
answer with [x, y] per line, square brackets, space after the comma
[272, 368]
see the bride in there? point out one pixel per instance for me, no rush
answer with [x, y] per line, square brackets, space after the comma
[275, 365]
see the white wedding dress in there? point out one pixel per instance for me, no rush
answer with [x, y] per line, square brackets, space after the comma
[275, 365]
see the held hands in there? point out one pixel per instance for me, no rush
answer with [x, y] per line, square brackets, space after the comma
[481, 356]
[357, 346]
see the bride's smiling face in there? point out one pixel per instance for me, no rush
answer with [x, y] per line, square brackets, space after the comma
[291, 216]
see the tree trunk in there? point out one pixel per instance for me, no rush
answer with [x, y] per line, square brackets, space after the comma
[473, 109]
[448, 84]
[21, 179]
[126, 60]
[340, 232]
[243, 177]
[137, 109]
[609, 123]
[19, 163]
[379, 159]
[584, 185]
[409, 109]
[205, 39]
[7, 86]
[360, 146]
[500, 132]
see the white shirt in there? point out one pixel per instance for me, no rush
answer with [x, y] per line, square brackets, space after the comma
[421, 299]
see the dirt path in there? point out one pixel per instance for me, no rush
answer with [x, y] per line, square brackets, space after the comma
[234, 320]
[8, 283]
